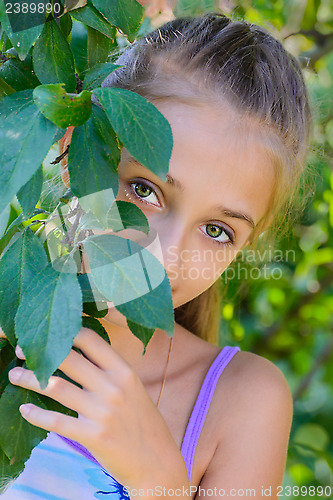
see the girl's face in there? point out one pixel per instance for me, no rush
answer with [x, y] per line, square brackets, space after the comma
[220, 182]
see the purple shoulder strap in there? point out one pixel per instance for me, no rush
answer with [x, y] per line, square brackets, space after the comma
[201, 406]
[198, 414]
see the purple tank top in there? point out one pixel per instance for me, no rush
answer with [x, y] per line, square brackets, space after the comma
[198, 415]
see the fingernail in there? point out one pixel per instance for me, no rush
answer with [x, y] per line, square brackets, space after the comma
[19, 353]
[24, 410]
[14, 374]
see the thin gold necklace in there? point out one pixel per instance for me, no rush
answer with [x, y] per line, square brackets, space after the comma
[165, 368]
[165, 372]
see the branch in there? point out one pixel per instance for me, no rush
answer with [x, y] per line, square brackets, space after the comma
[321, 359]
[324, 46]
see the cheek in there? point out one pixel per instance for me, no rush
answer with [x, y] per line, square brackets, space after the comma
[196, 277]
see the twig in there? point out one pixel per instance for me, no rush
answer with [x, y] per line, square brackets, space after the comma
[321, 359]
[60, 157]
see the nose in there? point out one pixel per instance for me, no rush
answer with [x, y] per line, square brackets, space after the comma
[167, 240]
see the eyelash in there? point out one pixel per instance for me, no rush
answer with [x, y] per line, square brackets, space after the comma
[229, 243]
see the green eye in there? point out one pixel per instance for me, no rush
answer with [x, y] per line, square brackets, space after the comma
[142, 190]
[213, 231]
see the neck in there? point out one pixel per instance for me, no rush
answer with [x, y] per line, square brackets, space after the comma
[127, 345]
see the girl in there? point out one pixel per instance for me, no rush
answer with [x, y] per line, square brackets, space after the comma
[238, 109]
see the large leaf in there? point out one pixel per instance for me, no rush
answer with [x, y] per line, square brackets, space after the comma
[127, 15]
[22, 40]
[97, 75]
[25, 138]
[18, 266]
[126, 273]
[93, 156]
[90, 292]
[18, 75]
[143, 130]
[126, 215]
[48, 319]
[91, 17]
[99, 47]
[152, 310]
[29, 194]
[78, 44]
[52, 58]
[17, 436]
[65, 110]
[96, 205]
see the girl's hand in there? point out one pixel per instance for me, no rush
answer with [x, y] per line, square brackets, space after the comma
[118, 422]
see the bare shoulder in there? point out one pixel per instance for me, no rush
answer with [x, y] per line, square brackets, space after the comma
[253, 411]
[255, 385]
[251, 373]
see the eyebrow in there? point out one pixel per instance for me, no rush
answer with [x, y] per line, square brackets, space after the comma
[223, 210]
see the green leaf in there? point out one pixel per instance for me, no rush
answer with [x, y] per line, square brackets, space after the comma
[126, 215]
[141, 332]
[24, 39]
[66, 24]
[91, 309]
[152, 310]
[93, 169]
[29, 194]
[97, 75]
[11, 230]
[18, 266]
[91, 17]
[90, 292]
[5, 89]
[99, 47]
[78, 44]
[48, 319]
[127, 15]
[63, 109]
[25, 138]
[98, 205]
[16, 74]
[4, 216]
[8, 471]
[133, 279]
[52, 58]
[142, 129]
[96, 326]
[17, 436]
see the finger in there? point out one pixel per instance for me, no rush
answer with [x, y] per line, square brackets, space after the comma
[98, 351]
[83, 402]
[19, 353]
[85, 373]
[79, 369]
[73, 428]
[2, 335]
